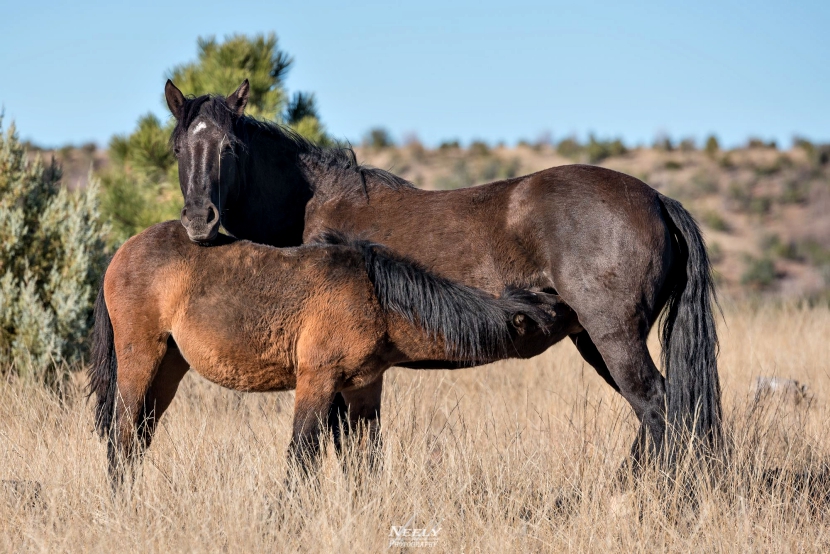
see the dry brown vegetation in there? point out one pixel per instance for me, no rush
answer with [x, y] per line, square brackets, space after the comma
[514, 457]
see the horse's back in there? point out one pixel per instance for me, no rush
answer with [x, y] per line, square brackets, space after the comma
[507, 232]
[573, 192]
[145, 263]
[156, 246]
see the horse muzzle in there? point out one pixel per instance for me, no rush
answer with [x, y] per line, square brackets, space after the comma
[201, 224]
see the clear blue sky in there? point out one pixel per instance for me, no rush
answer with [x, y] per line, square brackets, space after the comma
[79, 71]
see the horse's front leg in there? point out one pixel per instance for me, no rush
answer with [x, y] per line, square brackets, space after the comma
[313, 398]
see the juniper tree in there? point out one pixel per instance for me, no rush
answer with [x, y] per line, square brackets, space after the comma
[51, 261]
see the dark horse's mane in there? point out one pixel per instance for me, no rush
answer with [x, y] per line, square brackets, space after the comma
[242, 129]
[473, 324]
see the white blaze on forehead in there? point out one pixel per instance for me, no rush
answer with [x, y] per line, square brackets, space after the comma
[199, 127]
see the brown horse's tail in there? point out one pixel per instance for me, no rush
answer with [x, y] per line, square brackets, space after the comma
[103, 373]
[689, 336]
[475, 326]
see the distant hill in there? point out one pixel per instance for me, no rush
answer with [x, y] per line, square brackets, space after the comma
[76, 162]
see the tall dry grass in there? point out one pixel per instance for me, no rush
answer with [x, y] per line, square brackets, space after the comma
[515, 457]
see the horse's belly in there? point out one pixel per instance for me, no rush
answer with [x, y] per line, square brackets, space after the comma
[238, 368]
[264, 378]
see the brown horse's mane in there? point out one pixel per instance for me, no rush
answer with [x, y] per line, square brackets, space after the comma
[242, 131]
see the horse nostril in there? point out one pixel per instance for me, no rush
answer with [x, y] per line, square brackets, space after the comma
[185, 219]
[211, 215]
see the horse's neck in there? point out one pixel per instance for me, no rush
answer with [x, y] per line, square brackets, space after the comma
[274, 191]
[330, 180]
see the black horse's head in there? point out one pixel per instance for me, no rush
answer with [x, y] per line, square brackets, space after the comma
[204, 141]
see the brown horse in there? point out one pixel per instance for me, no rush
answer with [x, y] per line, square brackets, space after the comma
[322, 319]
[617, 252]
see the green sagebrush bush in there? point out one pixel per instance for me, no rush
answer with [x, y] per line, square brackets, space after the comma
[51, 261]
[142, 186]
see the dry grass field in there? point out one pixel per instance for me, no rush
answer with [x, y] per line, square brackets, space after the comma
[514, 457]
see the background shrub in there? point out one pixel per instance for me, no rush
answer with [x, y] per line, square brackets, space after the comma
[479, 148]
[51, 261]
[759, 273]
[599, 150]
[663, 142]
[449, 145]
[688, 145]
[712, 147]
[715, 221]
[378, 138]
[569, 148]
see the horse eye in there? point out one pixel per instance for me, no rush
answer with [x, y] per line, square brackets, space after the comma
[176, 152]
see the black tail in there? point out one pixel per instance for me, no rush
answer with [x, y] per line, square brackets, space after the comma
[475, 326]
[103, 373]
[690, 340]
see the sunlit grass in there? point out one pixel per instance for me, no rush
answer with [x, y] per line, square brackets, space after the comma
[515, 457]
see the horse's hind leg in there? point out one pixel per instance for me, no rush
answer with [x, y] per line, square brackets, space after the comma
[641, 384]
[338, 421]
[614, 343]
[590, 354]
[138, 362]
[363, 407]
[652, 427]
[161, 392]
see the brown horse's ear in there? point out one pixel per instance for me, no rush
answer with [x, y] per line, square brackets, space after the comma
[175, 99]
[239, 98]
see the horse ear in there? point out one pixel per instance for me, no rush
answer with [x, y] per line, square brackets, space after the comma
[175, 99]
[239, 98]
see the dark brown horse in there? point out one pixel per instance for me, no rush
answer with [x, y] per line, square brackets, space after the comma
[615, 250]
[325, 319]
